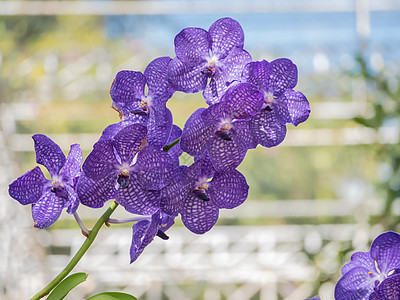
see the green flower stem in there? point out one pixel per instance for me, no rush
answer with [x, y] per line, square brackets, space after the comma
[85, 246]
[169, 146]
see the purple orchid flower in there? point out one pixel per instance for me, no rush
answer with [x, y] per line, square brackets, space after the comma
[49, 197]
[202, 199]
[217, 55]
[282, 105]
[373, 274]
[122, 168]
[143, 232]
[173, 195]
[389, 289]
[129, 98]
[223, 128]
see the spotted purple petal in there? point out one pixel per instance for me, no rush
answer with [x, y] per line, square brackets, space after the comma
[143, 233]
[110, 131]
[385, 249]
[73, 201]
[134, 119]
[281, 111]
[95, 192]
[47, 209]
[282, 76]
[389, 289]
[213, 114]
[374, 296]
[127, 88]
[101, 161]
[360, 259]
[154, 168]
[224, 155]
[29, 187]
[228, 190]
[199, 216]
[48, 154]
[192, 45]
[228, 73]
[257, 74]
[135, 199]
[173, 195]
[72, 166]
[159, 126]
[298, 106]
[128, 141]
[157, 79]
[356, 284]
[201, 168]
[226, 34]
[195, 134]
[186, 78]
[243, 101]
[266, 129]
[242, 136]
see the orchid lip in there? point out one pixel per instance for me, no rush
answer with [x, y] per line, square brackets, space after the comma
[139, 112]
[123, 180]
[201, 195]
[161, 234]
[59, 191]
[223, 135]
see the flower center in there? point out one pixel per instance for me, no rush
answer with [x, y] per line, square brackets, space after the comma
[144, 106]
[269, 98]
[223, 129]
[58, 188]
[200, 189]
[210, 66]
[123, 175]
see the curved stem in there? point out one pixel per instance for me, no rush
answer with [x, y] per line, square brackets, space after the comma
[82, 250]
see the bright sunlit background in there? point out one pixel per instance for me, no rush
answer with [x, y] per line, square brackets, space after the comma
[326, 191]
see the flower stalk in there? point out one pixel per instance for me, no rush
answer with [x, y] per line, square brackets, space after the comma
[82, 250]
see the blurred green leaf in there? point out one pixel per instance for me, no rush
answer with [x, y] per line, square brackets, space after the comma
[67, 285]
[374, 122]
[112, 296]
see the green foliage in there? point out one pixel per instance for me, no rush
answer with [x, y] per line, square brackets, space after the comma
[384, 96]
[67, 285]
[112, 296]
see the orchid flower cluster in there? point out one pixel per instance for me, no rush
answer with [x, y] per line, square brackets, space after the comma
[137, 161]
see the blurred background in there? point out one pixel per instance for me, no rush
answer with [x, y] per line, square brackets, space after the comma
[326, 191]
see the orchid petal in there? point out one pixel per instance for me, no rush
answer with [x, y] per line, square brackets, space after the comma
[48, 154]
[95, 192]
[127, 88]
[226, 34]
[228, 190]
[192, 45]
[186, 78]
[128, 141]
[136, 199]
[28, 188]
[47, 209]
[199, 216]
